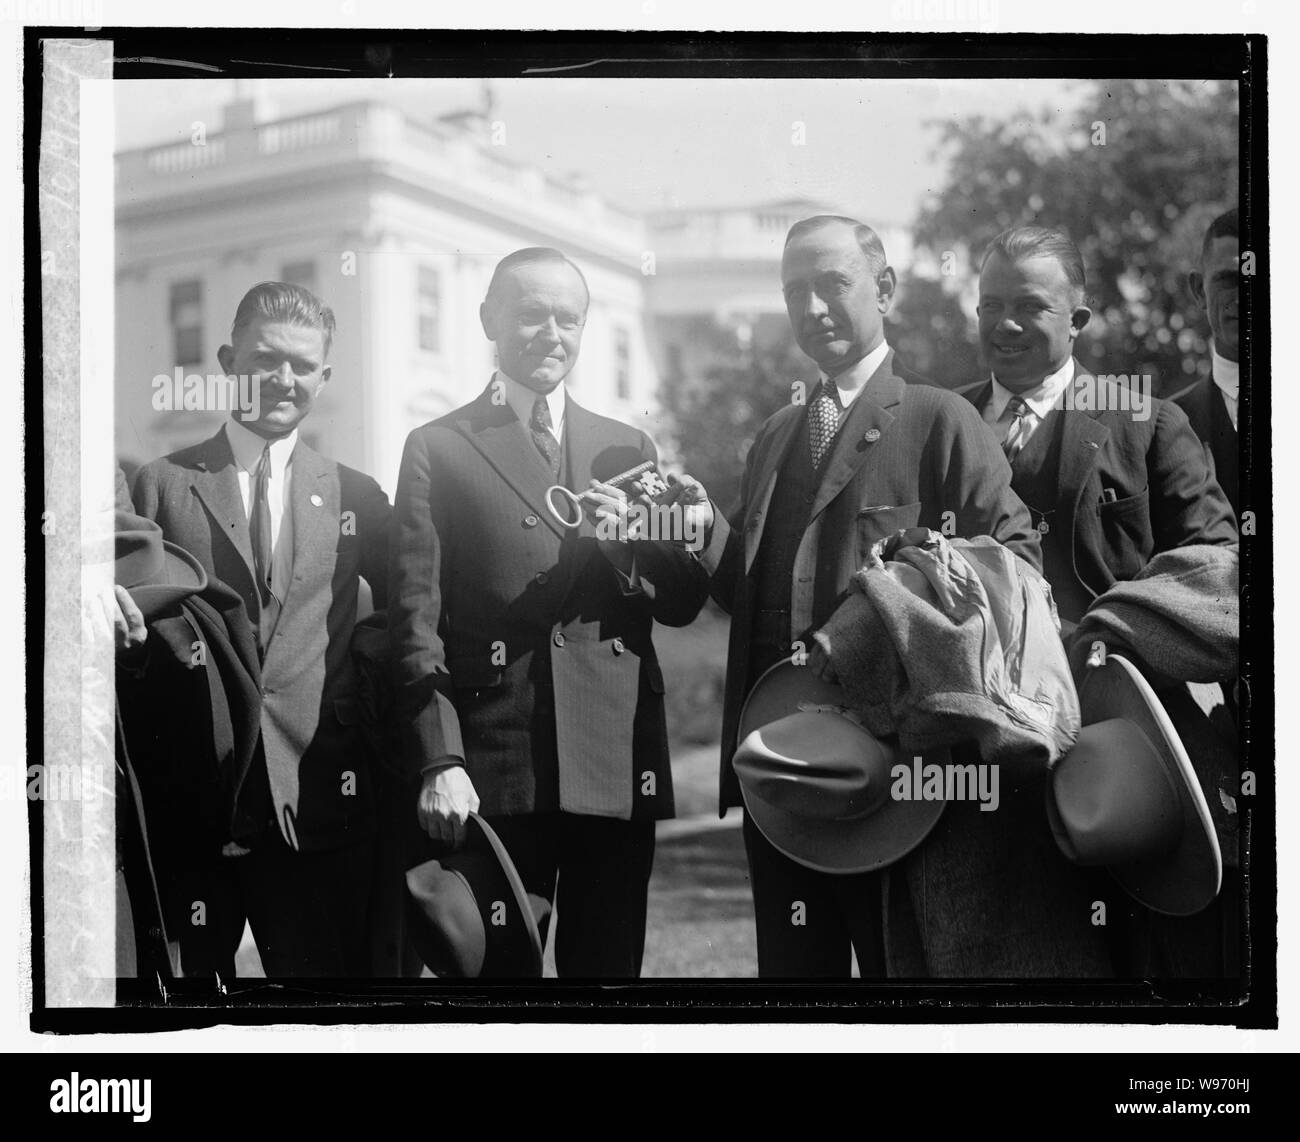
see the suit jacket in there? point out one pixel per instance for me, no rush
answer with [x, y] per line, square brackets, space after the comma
[1165, 494]
[1208, 415]
[905, 456]
[517, 646]
[308, 680]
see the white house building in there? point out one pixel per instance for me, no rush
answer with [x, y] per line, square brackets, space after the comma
[396, 224]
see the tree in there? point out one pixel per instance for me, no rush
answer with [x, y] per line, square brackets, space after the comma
[719, 404]
[1133, 174]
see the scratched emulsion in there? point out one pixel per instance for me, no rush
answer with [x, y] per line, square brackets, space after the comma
[76, 797]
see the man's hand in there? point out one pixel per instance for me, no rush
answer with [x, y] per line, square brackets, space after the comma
[697, 510]
[447, 798]
[819, 658]
[128, 623]
[605, 507]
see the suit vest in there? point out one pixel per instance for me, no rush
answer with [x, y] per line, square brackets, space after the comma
[1034, 478]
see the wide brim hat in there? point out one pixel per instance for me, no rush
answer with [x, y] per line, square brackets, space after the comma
[470, 915]
[157, 573]
[816, 783]
[1127, 798]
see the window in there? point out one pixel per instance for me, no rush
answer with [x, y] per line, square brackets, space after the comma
[300, 273]
[622, 364]
[428, 309]
[187, 322]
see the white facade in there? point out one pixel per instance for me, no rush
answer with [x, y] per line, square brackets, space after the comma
[398, 224]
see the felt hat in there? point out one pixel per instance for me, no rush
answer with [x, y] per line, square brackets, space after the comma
[470, 916]
[817, 784]
[156, 572]
[1127, 798]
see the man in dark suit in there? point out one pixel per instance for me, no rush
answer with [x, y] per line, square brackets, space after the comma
[1211, 404]
[292, 533]
[867, 454]
[527, 683]
[1113, 475]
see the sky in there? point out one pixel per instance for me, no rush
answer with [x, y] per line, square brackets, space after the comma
[650, 143]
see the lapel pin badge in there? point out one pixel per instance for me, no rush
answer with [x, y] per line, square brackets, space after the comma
[316, 501]
[871, 435]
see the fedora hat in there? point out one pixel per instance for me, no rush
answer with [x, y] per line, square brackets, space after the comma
[157, 573]
[1127, 798]
[816, 784]
[470, 916]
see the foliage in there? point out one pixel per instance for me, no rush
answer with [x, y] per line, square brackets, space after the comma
[1134, 174]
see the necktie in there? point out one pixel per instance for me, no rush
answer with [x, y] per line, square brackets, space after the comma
[540, 427]
[263, 548]
[823, 421]
[1017, 432]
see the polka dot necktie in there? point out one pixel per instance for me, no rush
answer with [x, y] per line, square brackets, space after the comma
[823, 421]
[1017, 427]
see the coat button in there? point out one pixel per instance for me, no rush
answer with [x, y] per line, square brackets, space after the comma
[316, 501]
[617, 646]
[871, 435]
[558, 638]
[531, 520]
[541, 578]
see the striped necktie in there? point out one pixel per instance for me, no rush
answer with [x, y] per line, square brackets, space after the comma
[543, 437]
[1017, 427]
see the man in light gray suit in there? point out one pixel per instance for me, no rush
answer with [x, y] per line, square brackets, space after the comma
[291, 533]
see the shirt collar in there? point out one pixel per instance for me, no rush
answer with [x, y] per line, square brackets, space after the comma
[521, 398]
[246, 446]
[1040, 399]
[1226, 373]
[853, 381]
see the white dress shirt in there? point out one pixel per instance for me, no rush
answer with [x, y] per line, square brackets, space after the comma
[1040, 400]
[1226, 376]
[521, 398]
[851, 381]
[247, 447]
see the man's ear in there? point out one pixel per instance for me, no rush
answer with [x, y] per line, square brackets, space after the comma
[886, 284]
[226, 359]
[325, 374]
[487, 320]
[1079, 317]
[1196, 287]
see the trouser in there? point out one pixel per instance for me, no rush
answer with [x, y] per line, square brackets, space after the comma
[309, 911]
[807, 921]
[595, 872]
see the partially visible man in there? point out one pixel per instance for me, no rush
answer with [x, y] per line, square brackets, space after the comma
[1211, 404]
[1114, 478]
[866, 455]
[293, 534]
[528, 687]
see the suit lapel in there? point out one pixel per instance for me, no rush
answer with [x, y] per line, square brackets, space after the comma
[867, 421]
[505, 444]
[978, 394]
[768, 465]
[215, 483]
[316, 512]
[1083, 436]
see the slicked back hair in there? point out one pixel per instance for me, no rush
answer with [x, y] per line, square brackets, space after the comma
[285, 302]
[1041, 242]
[1225, 226]
[528, 256]
[868, 240]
